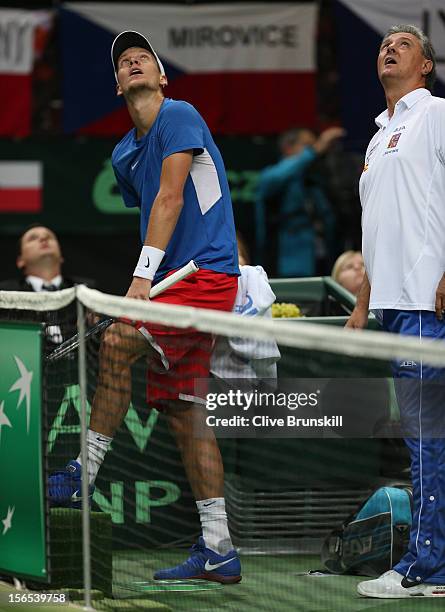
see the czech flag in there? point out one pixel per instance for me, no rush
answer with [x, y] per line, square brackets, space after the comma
[248, 68]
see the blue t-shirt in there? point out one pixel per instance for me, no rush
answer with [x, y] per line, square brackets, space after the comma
[205, 231]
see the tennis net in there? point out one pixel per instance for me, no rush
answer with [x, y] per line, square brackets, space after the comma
[286, 487]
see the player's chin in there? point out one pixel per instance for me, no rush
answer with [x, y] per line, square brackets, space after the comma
[137, 85]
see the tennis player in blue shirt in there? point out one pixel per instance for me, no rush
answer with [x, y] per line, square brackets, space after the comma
[169, 166]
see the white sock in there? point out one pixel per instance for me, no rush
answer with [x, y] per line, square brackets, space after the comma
[215, 531]
[97, 445]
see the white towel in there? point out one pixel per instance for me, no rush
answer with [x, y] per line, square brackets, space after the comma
[238, 357]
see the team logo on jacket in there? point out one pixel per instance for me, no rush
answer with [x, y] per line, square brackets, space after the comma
[394, 140]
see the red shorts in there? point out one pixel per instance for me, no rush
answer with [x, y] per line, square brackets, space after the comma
[186, 352]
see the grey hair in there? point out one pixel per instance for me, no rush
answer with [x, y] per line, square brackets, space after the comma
[427, 48]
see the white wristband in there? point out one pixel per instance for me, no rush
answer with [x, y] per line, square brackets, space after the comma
[149, 261]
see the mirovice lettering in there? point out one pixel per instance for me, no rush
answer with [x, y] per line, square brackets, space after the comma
[231, 36]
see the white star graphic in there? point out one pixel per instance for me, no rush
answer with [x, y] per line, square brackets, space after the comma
[23, 384]
[7, 521]
[3, 418]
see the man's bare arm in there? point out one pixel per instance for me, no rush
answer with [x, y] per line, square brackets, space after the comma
[164, 213]
[359, 316]
[440, 298]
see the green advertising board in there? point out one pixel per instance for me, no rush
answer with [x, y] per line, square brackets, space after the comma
[22, 511]
[79, 193]
[130, 501]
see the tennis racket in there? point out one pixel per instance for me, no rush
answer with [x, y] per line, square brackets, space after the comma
[72, 343]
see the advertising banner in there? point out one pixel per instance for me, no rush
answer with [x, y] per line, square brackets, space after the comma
[22, 509]
[248, 68]
[18, 45]
[141, 484]
[73, 189]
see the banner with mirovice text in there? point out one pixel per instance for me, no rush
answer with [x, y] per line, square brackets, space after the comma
[248, 67]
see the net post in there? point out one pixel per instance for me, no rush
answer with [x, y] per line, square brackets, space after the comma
[86, 542]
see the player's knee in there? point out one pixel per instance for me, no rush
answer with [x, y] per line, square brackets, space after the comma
[120, 338]
[178, 422]
[185, 421]
[111, 340]
[174, 422]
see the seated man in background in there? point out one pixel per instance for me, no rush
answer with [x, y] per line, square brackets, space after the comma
[39, 259]
[349, 271]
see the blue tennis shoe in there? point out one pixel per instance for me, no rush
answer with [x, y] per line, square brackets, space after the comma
[64, 487]
[205, 564]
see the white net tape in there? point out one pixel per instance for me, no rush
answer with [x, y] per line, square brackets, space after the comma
[46, 300]
[365, 343]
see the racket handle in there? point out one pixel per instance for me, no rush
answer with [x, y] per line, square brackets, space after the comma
[72, 343]
[170, 280]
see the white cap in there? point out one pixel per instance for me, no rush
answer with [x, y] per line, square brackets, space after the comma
[126, 40]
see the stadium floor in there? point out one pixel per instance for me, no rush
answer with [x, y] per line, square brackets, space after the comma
[270, 584]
